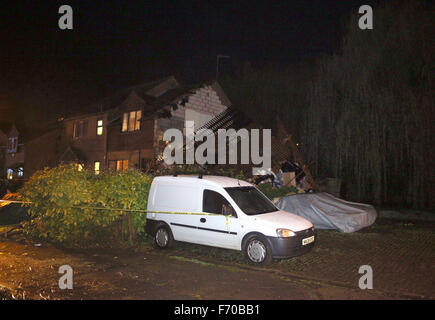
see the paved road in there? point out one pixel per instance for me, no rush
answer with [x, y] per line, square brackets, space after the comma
[401, 255]
[32, 273]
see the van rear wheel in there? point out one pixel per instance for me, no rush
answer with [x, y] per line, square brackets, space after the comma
[163, 238]
[257, 251]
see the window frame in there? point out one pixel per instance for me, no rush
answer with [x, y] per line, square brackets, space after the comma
[12, 144]
[123, 165]
[258, 192]
[83, 125]
[100, 127]
[131, 121]
[97, 172]
[234, 212]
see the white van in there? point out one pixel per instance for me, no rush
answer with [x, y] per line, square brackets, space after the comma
[227, 213]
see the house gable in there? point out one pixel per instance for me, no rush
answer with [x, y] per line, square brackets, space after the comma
[71, 156]
[204, 104]
[221, 94]
[132, 102]
[13, 132]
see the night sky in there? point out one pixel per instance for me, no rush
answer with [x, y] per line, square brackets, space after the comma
[114, 44]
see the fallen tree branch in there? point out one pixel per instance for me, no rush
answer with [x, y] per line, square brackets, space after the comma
[13, 227]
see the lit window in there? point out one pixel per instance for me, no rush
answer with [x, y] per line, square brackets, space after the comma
[9, 174]
[20, 172]
[97, 167]
[125, 122]
[131, 121]
[121, 165]
[138, 119]
[99, 127]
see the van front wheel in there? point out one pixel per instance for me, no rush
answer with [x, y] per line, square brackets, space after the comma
[257, 251]
[163, 237]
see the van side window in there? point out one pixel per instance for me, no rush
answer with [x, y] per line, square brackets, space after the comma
[213, 202]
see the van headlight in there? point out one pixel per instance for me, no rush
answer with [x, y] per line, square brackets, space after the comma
[285, 233]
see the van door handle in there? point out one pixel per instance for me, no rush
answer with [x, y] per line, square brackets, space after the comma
[202, 220]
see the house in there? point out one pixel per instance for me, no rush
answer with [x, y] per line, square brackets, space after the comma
[13, 140]
[126, 129]
[11, 152]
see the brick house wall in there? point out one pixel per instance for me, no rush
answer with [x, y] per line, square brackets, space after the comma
[89, 146]
[42, 152]
[115, 147]
[134, 146]
[203, 105]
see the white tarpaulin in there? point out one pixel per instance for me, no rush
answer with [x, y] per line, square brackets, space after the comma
[328, 212]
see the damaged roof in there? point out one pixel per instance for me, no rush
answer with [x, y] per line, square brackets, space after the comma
[156, 95]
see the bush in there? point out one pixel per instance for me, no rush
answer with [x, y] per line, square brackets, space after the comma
[272, 192]
[70, 206]
[214, 170]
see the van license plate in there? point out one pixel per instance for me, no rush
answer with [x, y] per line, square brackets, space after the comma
[307, 240]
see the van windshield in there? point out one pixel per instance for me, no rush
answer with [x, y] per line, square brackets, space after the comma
[250, 200]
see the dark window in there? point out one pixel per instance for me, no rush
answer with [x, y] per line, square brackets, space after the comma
[80, 128]
[13, 144]
[250, 200]
[213, 202]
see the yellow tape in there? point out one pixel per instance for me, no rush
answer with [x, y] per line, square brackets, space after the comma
[131, 210]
